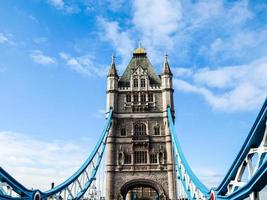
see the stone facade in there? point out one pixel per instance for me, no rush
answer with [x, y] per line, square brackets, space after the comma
[139, 149]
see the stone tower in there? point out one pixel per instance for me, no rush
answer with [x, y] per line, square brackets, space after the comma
[139, 162]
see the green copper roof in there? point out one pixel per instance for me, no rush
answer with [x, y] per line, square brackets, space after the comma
[143, 61]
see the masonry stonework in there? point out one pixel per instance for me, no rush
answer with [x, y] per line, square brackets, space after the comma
[139, 159]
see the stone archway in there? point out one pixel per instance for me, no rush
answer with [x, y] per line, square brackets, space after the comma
[137, 183]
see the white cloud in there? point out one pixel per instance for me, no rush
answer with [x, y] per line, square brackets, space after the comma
[64, 6]
[57, 3]
[3, 38]
[37, 163]
[83, 65]
[121, 40]
[40, 40]
[233, 88]
[157, 22]
[39, 58]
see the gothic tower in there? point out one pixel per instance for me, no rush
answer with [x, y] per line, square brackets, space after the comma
[139, 163]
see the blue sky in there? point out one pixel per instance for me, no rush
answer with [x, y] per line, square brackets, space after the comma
[53, 63]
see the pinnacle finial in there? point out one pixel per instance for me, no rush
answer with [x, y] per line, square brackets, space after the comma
[166, 67]
[113, 58]
[139, 44]
[166, 57]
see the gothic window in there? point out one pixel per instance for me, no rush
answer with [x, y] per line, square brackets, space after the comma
[140, 157]
[135, 98]
[153, 158]
[128, 98]
[160, 157]
[150, 97]
[156, 130]
[123, 132]
[127, 159]
[143, 82]
[143, 98]
[135, 82]
[140, 129]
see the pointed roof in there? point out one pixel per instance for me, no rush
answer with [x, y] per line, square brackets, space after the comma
[166, 67]
[140, 59]
[112, 70]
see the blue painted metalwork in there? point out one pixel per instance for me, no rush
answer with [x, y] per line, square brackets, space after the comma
[179, 155]
[254, 143]
[253, 140]
[76, 186]
[90, 165]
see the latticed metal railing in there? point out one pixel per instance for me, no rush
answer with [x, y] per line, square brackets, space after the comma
[73, 188]
[247, 175]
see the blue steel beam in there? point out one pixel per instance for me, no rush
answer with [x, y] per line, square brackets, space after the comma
[253, 140]
[193, 178]
[96, 154]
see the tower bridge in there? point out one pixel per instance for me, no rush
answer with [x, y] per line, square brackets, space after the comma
[144, 159]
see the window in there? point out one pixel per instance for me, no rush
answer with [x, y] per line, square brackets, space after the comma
[123, 132]
[150, 97]
[156, 130]
[128, 98]
[135, 98]
[135, 83]
[140, 157]
[139, 129]
[153, 158]
[143, 98]
[127, 159]
[143, 82]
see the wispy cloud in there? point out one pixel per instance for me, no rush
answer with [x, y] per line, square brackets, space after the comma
[3, 38]
[65, 6]
[231, 88]
[120, 40]
[7, 38]
[40, 40]
[36, 162]
[40, 58]
[83, 65]
[157, 22]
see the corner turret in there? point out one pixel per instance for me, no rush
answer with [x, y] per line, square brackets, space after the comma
[112, 87]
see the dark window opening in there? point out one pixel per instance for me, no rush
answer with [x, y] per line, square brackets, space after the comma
[156, 130]
[139, 129]
[143, 98]
[150, 97]
[140, 157]
[153, 158]
[128, 98]
[127, 159]
[135, 83]
[143, 83]
[123, 132]
[135, 98]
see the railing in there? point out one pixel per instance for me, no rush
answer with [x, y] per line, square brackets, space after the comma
[192, 186]
[73, 188]
[251, 161]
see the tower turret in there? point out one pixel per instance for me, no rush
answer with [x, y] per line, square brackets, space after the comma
[166, 84]
[112, 86]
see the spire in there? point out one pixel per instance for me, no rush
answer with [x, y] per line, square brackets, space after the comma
[139, 50]
[166, 68]
[113, 71]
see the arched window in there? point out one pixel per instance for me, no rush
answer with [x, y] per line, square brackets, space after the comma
[156, 130]
[135, 82]
[128, 98]
[143, 98]
[143, 82]
[139, 129]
